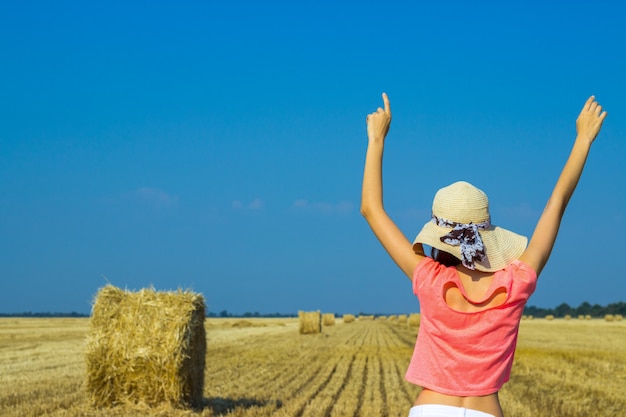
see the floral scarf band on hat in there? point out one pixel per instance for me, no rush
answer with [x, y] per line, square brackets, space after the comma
[467, 237]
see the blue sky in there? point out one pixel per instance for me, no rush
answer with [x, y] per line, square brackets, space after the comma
[219, 146]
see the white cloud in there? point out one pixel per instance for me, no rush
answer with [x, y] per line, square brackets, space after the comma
[300, 203]
[254, 205]
[322, 207]
[155, 195]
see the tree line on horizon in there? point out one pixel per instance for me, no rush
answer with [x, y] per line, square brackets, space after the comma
[44, 314]
[584, 309]
[562, 310]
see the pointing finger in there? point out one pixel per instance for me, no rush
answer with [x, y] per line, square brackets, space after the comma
[387, 106]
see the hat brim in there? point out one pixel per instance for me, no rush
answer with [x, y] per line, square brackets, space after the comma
[501, 246]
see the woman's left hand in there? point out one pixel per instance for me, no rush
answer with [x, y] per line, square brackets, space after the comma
[590, 120]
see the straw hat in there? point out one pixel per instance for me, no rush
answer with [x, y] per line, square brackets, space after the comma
[461, 225]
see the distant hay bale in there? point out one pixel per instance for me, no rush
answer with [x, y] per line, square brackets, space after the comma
[383, 318]
[619, 317]
[524, 317]
[146, 347]
[348, 318]
[414, 320]
[609, 317]
[588, 317]
[568, 317]
[581, 317]
[328, 319]
[366, 317]
[402, 319]
[393, 318]
[244, 324]
[530, 317]
[549, 317]
[310, 322]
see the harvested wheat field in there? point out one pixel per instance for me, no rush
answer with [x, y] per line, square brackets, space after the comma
[265, 367]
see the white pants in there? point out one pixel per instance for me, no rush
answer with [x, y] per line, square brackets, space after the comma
[436, 410]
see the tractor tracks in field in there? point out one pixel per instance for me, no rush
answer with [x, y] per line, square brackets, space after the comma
[351, 369]
[343, 385]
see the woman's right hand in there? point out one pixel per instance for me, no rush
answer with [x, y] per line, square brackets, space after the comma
[590, 120]
[379, 121]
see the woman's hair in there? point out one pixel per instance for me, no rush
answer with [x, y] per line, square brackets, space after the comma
[444, 258]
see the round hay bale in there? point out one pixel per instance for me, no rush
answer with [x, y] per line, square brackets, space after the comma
[568, 317]
[146, 347]
[310, 322]
[243, 324]
[619, 317]
[550, 317]
[348, 318]
[328, 319]
[414, 320]
[609, 317]
[402, 319]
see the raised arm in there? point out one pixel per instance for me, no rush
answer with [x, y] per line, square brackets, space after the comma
[392, 239]
[588, 126]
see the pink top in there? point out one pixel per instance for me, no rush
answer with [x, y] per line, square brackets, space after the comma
[466, 354]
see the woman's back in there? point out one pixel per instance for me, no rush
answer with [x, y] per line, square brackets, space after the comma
[475, 284]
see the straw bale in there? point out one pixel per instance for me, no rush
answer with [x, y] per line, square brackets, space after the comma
[609, 317]
[550, 317]
[402, 319]
[328, 319]
[414, 320]
[243, 324]
[310, 322]
[146, 348]
[568, 317]
[619, 317]
[366, 317]
[348, 318]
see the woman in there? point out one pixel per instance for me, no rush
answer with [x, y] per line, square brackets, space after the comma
[472, 294]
